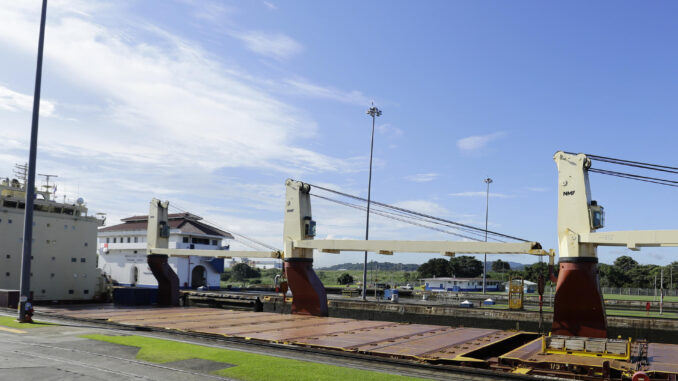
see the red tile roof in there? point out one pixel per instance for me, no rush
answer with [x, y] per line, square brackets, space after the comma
[185, 222]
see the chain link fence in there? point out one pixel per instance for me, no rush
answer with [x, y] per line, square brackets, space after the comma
[638, 291]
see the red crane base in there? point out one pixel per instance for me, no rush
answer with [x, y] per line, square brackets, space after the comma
[308, 293]
[578, 308]
[168, 281]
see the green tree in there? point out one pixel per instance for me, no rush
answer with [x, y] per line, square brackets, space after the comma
[625, 263]
[532, 272]
[435, 267]
[612, 276]
[500, 266]
[466, 266]
[345, 278]
[242, 271]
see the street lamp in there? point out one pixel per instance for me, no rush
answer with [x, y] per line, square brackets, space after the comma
[487, 181]
[374, 113]
[24, 282]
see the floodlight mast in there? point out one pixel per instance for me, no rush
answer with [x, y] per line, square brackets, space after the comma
[374, 112]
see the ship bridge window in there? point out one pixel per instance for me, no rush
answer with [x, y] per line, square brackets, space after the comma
[8, 256]
[9, 220]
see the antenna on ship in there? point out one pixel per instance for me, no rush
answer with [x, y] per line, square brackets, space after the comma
[21, 171]
[47, 186]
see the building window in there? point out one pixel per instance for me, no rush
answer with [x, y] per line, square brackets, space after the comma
[185, 239]
[85, 244]
[115, 240]
[83, 259]
[129, 239]
[74, 259]
[136, 239]
[8, 256]
[86, 292]
[9, 220]
[71, 292]
[200, 241]
[215, 242]
[7, 273]
[108, 240]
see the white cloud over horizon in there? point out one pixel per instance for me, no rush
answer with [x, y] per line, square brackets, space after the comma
[274, 45]
[422, 177]
[478, 142]
[480, 194]
[11, 100]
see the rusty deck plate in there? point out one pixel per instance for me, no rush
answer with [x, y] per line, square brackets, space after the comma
[409, 341]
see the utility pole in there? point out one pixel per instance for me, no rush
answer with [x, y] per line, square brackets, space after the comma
[487, 181]
[25, 282]
[374, 113]
[661, 292]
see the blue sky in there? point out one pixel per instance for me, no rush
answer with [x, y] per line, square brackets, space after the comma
[212, 105]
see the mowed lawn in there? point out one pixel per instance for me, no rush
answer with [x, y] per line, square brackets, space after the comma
[10, 322]
[248, 366]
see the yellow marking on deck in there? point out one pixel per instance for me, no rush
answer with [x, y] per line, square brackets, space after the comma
[11, 330]
[521, 370]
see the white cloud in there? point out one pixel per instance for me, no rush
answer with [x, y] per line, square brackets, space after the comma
[167, 95]
[422, 177]
[389, 130]
[270, 5]
[274, 45]
[423, 206]
[14, 101]
[536, 189]
[477, 142]
[303, 87]
[480, 194]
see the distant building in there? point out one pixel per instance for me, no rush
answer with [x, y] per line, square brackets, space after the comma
[460, 284]
[122, 251]
[528, 286]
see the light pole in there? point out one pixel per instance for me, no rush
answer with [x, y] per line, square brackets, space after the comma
[487, 181]
[374, 113]
[24, 283]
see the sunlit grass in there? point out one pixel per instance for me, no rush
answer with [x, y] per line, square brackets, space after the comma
[248, 366]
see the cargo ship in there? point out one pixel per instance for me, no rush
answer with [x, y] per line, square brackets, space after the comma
[64, 256]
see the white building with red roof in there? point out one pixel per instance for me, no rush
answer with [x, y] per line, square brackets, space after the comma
[122, 251]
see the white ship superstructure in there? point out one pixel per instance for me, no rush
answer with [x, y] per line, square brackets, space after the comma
[122, 252]
[64, 259]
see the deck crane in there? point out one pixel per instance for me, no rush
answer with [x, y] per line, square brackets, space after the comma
[299, 243]
[578, 306]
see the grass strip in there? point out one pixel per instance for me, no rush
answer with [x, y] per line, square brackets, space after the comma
[9, 321]
[248, 366]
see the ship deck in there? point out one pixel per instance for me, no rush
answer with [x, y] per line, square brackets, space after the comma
[488, 348]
